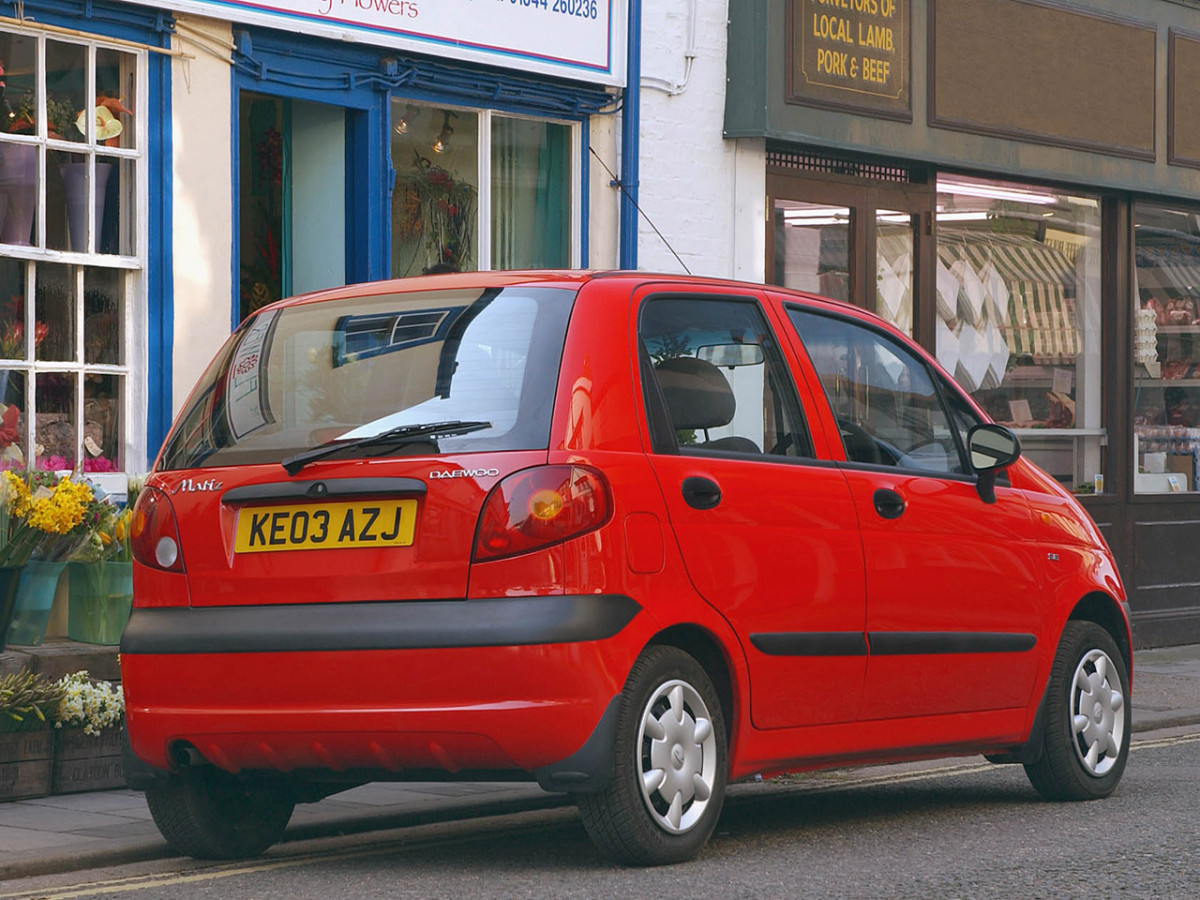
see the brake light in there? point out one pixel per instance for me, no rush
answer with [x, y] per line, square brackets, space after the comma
[537, 508]
[154, 536]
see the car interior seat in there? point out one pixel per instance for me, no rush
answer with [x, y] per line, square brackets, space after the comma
[698, 396]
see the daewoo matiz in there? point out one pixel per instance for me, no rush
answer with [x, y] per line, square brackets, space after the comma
[630, 536]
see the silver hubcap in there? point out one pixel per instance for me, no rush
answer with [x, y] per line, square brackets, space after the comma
[1097, 716]
[677, 756]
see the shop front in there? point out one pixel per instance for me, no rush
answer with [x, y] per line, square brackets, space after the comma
[1015, 183]
[168, 169]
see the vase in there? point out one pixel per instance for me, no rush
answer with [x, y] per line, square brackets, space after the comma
[74, 176]
[87, 762]
[35, 596]
[18, 192]
[99, 597]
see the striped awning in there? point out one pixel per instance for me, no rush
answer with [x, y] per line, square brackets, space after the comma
[1032, 304]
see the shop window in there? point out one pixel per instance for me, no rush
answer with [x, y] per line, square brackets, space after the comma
[71, 170]
[291, 198]
[1166, 350]
[441, 218]
[1018, 316]
[812, 247]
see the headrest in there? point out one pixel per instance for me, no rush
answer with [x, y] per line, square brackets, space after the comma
[697, 394]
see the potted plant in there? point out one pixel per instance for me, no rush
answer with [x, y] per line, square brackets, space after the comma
[27, 707]
[65, 122]
[87, 727]
[43, 520]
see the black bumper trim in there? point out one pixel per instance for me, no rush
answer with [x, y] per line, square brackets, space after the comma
[381, 625]
[912, 643]
[811, 643]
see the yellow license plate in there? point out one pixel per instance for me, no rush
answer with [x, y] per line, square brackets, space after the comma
[323, 526]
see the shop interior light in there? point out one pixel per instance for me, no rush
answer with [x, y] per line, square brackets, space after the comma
[410, 113]
[976, 216]
[994, 192]
[443, 138]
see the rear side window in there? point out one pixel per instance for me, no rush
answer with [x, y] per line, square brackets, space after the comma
[715, 378]
[296, 377]
[883, 396]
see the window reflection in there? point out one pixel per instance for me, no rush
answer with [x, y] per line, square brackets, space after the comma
[1166, 350]
[1018, 313]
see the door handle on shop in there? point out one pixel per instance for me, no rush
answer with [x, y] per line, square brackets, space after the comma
[888, 503]
[700, 492]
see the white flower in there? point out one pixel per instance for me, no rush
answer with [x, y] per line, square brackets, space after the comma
[89, 703]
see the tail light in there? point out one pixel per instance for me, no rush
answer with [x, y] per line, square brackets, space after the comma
[154, 536]
[537, 508]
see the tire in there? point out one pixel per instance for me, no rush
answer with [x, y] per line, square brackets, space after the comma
[206, 813]
[1087, 725]
[670, 730]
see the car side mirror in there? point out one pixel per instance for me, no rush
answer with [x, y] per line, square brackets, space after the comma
[991, 448]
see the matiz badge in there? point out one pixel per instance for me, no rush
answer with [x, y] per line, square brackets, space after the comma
[188, 485]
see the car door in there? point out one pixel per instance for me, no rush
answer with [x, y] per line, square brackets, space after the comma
[953, 582]
[768, 533]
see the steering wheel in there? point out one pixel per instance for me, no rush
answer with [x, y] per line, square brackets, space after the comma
[860, 445]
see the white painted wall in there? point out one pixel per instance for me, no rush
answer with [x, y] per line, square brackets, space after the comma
[202, 179]
[706, 194]
[603, 198]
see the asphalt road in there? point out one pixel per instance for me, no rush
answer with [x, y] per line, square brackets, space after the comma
[958, 829]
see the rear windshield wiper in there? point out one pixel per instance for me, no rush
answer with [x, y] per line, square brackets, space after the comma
[400, 435]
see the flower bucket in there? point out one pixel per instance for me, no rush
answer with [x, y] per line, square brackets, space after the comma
[74, 177]
[100, 595]
[35, 596]
[18, 192]
[10, 577]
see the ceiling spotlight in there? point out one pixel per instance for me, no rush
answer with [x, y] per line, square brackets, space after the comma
[443, 138]
[410, 113]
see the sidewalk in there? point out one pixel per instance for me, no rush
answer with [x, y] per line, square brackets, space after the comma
[77, 831]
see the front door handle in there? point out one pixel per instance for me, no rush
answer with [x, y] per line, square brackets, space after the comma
[888, 503]
[700, 492]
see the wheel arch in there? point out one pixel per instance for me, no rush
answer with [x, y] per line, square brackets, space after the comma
[706, 649]
[1102, 609]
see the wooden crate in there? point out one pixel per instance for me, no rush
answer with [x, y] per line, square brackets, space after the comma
[85, 762]
[26, 761]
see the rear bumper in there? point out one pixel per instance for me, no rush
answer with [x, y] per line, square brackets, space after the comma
[452, 686]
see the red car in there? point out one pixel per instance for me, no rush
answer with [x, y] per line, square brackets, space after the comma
[632, 536]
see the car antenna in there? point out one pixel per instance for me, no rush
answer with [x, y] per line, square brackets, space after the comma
[641, 212]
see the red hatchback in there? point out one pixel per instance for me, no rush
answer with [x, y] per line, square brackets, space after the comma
[632, 536]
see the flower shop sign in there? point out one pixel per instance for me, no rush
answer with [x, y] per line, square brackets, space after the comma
[581, 39]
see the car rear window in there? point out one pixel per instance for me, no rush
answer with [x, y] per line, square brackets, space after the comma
[293, 378]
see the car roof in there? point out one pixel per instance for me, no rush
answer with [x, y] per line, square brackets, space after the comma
[566, 278]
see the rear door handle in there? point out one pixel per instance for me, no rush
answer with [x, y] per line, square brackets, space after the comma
[888, 503]
[700, 492]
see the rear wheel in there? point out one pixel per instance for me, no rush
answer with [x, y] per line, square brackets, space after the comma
[671, 765]
[207, 813]
[1087, 728]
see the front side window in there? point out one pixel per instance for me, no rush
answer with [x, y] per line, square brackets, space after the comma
[717, 371]
[443, 222]
[1018, 315]
[71, 166]
[887, 408]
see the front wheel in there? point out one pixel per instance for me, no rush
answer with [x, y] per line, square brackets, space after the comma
[670, 768]
[207, 813]
[1087, 727]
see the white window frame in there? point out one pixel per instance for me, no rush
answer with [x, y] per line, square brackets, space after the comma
[134, 300]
